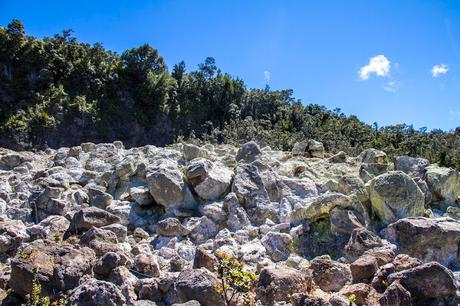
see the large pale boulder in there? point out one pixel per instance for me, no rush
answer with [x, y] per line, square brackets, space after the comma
[395, 195]
[248, 152]
[428, 239]
[209, 180]
[320, 207]
[249, 187]
[278, 245]
[97, 292]
[330, 275]
[168, 187]
[413, 166]
[444, 183]
[86, 218]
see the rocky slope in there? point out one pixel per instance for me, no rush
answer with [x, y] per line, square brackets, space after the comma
[104, 225]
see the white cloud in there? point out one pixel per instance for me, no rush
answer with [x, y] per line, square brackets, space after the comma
[391, 86]
[378, 65]
[438, 70]
[267, 76]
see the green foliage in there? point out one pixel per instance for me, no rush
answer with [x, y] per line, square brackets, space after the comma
[36, 298]
[57, 84]
[234, 280]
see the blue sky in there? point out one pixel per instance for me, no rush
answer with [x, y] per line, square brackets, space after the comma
[384, 61]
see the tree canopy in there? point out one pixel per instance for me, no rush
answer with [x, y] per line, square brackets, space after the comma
[60, 92]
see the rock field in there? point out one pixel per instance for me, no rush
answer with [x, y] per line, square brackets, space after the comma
[98, 224]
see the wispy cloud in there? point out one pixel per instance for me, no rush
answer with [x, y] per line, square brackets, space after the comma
[267, 76]
[454, 113]
[378, 65]
[391, 86]
[438, 70]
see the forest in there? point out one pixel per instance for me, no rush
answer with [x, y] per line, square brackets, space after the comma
[58, 91]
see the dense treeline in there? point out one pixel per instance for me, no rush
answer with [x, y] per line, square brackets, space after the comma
[60, 92]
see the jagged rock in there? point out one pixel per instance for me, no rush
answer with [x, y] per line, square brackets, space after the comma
[428, 239]
[204, 259]
[395, 195]
[199, 285]
[396, 295]
[360, 292]
[302, 299]
[192, 151]
[87, 218]
[369, 171]
[340, 157]
[12, 234]
[352, 184]
[277, 285]
[379, 281]
[202, 228]
[100, 240]
[330, 275]
[427, 281]
[444, 183]
[360, 241]
[415, 167]
[106, 263]
[118, 229]
[209, 180]
[146, 265]
[248, 152]
[278, 245]
[372, 156]
[189, 303]
[167, 186]
[344, 221]
[214, 211]
[51, 228]
[171, 227]
[320, 207]
[97, 292]
[99, 198]
[141, 195]
[363, 268]
[249, 187]
[56, 267]
[404, 262]
[237, 216]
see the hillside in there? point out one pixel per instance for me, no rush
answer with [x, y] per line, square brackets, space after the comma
[60, 92]
[100, 224]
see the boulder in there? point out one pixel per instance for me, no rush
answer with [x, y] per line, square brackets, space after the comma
[248, 152]
[415, 167]
[171, 227]
[427, 281]
[192, 151]
[364, 268]
[303, 299]
[146, 264]
[237, 217]
[97, 292]
[372, 156]
[56, 267]
[199, 285]
[351, 184]
[278, 245]
[320, 207]
[395, 195]
[360, 241]
[209, 180]
[428, 239]
[444, 183]
[396, 295]
[330, 275]
[100, 240]
[201, 228]
[204, 259]
[279, 284]
[12, 234]
[344, 221]
[87, 218]
[249, 187]
[167, 186]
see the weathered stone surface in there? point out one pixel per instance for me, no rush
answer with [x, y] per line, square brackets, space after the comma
[277, 285]
[192, 151]
[427, 281]
[344, 221]
[209, 180]
[330, 275]
[278, 245]
[415, 167]
[167, 186]
[97, 292]
[396, 295]
[199, 285]
[363, 268]
[444, 183]
[320, 207]
[171, 227]
[248, 152]
[395, 195]
[428, 239]
[249, 187]
[92, 216]
[360, 241]
[56, 267]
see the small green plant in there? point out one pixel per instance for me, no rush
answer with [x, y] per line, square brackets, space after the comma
[234, 280]
[352, 299]
[36, 298]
